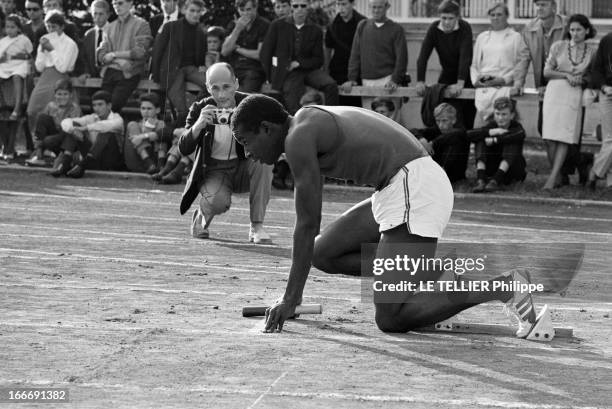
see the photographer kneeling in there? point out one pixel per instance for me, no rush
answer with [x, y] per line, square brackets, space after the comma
[221, 166]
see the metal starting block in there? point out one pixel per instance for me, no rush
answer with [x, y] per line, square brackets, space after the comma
[543, 329]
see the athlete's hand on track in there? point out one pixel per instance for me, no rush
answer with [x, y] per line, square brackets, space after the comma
[277, 314]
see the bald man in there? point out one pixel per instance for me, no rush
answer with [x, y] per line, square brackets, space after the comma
[221, 166]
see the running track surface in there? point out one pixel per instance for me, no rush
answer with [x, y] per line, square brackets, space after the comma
[104, 292]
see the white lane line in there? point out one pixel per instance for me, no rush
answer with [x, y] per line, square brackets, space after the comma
[538, 216]
[459, 211]
[356, 398]
[460, 224]
[39, 285]
[268, 269]
[72, 216]
[267, 391]
[131, 202]
[569, 361]
[528, 229]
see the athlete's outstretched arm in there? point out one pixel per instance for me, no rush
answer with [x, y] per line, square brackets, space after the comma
[301, 150]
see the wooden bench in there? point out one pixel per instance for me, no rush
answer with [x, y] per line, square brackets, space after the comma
[590, 142]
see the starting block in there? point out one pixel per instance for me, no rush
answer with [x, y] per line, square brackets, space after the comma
[543, 329]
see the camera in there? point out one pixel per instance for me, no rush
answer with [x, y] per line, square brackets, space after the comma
[222, 116]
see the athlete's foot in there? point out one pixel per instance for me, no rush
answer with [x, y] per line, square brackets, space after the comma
[520, 306]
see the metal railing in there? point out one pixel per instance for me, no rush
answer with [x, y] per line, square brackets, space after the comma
[405, 10]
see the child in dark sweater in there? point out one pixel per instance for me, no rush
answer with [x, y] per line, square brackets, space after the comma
[499, 148]
[446, 142]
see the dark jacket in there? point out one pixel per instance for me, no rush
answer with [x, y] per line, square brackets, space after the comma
[168, 49]
[277, 50]
[188, 144]
[86, 61]
[157, 20]
[434, 96]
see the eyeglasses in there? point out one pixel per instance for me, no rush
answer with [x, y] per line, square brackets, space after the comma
[297, 6]
[33, 9]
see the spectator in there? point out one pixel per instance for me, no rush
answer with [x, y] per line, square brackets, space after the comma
[150, 136]
[15, 56]
[379, 55]
[292, 56]
[70, 28]
[49, 134]
[123, 53]
[338, 43]
[87, 65]
[538, 36]
[174, 169]
[97, 136]
[496, 53]
[170, 12]
[56, 56]
[221, 166]
[384, 106]
[565, 70]
[242, 47]
[311, 97]
[451, 37]
[179, 55]
[601, 79]
[9, 7]
[317, 15]
[446, 142]
[215, 36]
[35, 27]
[282, 8]
[499, 148]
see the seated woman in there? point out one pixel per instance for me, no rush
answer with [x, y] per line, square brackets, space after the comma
[496, 53]
[15, 56]
[499, 148]
[55, 58]
[446, 142]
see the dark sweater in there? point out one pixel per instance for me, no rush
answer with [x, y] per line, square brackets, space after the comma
[601, 67]
[378, 52]
[515, 134]
[189, 44]
[454, 51]
[339, 37]
[451, 150]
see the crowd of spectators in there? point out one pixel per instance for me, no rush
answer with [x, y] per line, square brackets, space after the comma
[304, 55]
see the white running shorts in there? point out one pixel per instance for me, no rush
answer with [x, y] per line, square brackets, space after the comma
[419, 195]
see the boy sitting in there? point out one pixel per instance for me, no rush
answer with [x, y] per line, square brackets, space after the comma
[48, 134]
[150, 135]
[446, 143]
[176, 165]
[499, 148]
[96, 136]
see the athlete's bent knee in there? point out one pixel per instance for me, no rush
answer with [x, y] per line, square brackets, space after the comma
[321, 258]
